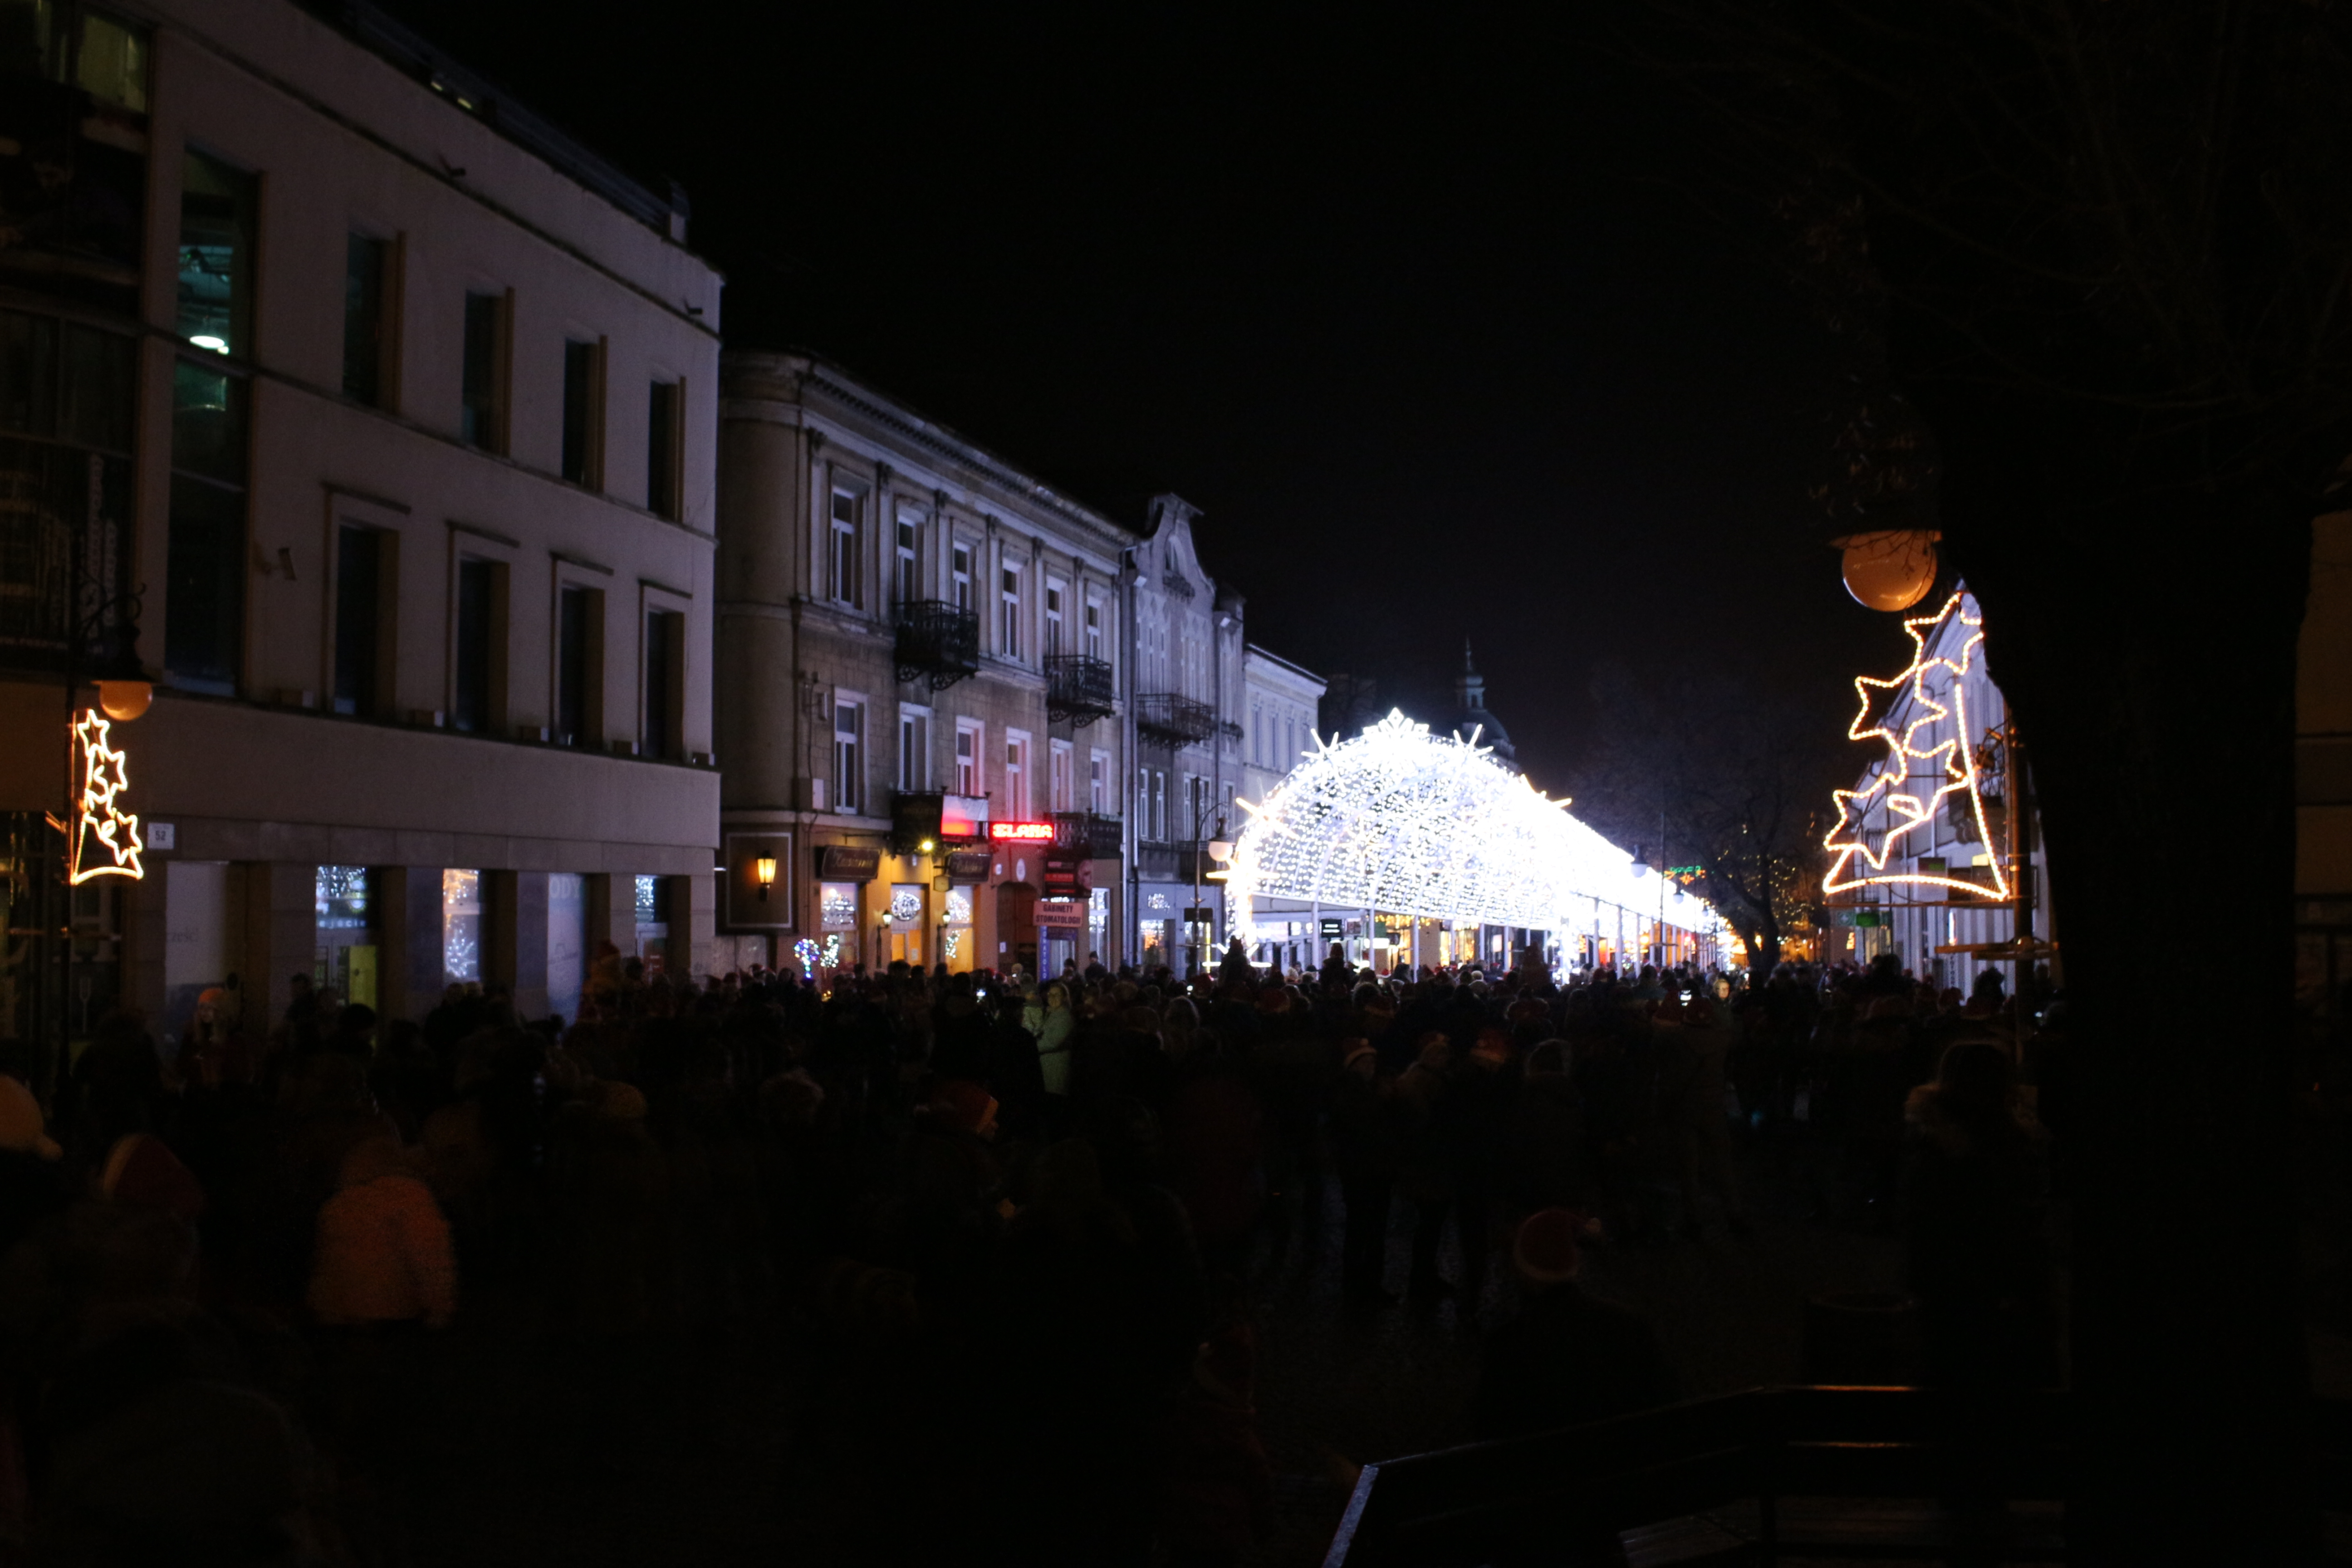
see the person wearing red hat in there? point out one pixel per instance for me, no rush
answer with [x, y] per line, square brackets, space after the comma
[1566, 1357]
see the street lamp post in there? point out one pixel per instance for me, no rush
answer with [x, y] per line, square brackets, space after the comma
[1218, 850]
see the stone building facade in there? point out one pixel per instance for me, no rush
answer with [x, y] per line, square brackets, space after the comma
[1186, 682]
[921, 710]
[371, 420]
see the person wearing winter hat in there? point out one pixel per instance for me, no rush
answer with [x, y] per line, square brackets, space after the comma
[1566, 1357]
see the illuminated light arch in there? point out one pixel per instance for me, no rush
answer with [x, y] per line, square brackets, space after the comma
[102, 828]
[1403, 821]
[1952, 764]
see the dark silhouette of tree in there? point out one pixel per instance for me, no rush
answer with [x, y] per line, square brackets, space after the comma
[1707, 771]
[2091, 266]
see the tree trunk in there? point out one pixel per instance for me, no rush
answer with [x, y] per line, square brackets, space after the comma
[2149, 652]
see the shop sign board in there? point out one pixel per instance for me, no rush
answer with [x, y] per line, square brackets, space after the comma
[848, 863]
[1054, 915]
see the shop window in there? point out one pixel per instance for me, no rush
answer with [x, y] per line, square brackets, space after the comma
[567, 942]
[343, 916]
[461, 927]
[217, 208]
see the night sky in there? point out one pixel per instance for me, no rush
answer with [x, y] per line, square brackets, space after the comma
[1445, 324]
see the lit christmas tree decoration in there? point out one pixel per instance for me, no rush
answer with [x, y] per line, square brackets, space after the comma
[1951, 764]
[1403, 822]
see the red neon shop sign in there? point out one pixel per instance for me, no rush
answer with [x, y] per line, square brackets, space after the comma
[1022, 832]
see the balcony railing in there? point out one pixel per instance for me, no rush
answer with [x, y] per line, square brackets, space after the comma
[939, 642]
[1098, 833]
[1180, 720]
[1077, 688]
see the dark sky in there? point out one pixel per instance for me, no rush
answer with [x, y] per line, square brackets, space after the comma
[1433, 315]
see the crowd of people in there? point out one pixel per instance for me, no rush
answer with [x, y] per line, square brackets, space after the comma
[1011, 1224]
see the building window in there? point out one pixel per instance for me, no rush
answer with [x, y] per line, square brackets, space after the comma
[1063, 789]
[363, 578]
[1093, 629]
[481, 419]
[204, 618]
[1016, 777]
[580, 666]
[217, 206]
[1099, 783]
[842, 563]
[963, 577]
[914, 750]
[664, 725]
[968, 776]
[478, 686]
[1009, 640]
[848, 755]
[1053, 618]
[1159, 804]
[366, 319]
[584, 413]
[664, 438]
[908, 583]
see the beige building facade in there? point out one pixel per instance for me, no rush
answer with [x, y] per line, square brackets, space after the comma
[919, 703]
[394, 412]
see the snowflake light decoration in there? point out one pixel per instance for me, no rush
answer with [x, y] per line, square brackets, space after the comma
[1950, 763]
[106, 837]
[808, 953]
[1402, 821]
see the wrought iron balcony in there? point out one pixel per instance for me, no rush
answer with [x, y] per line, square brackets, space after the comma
[938, 641]
[1077, 688]
[1177, 719]
[65, 583]
[1099, 834]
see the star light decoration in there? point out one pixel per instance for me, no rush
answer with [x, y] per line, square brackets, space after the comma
[106, 837]
[1951, 764]
[1401, 821]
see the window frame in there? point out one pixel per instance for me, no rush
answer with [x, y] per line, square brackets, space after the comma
[914, 771]
[847, 763]
[972, 785]
[1020, 776]
[845, 540]
[488, 428]
[656, 600]
[585, 467]
[1008, 632]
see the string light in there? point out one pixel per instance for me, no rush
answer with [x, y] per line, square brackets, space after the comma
[104, 781]
[1400, 820]
[1955, 761]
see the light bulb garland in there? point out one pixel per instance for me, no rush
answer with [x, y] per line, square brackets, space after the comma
[1402, 821]
[1953, 762]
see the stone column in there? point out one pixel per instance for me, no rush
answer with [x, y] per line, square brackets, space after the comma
[693, 923]
[281, 937]
[515, 907]
[408, 925]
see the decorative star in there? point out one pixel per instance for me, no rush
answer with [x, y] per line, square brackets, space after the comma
[105, 779]
[1951, 766]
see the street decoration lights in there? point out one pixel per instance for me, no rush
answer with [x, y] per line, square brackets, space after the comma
[1951, 764]
[106, 841]
[1399, 820]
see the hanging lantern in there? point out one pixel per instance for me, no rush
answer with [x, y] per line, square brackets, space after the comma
[1890, 569]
